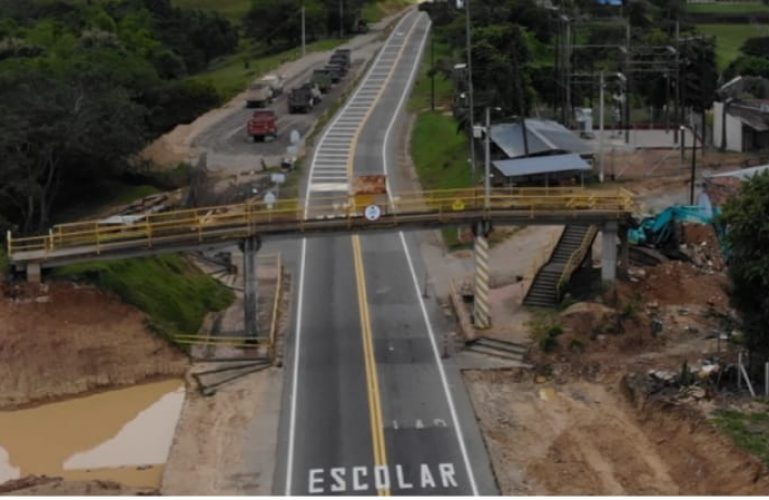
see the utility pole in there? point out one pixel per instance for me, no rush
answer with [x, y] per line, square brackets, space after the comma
[567, 61]
[694, 163]
[341, 18]
[627, 82]
[678, 83]
[432, 70]
[600, 126]
[471, 110]
[304, 44]
[487, 163]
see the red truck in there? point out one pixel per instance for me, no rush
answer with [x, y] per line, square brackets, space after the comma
[263, 123]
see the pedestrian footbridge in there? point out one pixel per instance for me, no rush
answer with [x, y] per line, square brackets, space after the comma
[198, 228]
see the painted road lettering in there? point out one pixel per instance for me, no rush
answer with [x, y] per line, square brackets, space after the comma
[381, 477]
[419, 424]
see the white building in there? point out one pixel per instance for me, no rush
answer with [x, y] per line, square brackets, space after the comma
[742, 124]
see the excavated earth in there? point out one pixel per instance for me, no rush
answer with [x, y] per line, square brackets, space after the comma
[62, 339]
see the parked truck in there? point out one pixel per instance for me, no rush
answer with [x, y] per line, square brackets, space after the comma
[340, 60]
[303, 99]
[263, 124]
[259, 95]
[336, 71]
[322, 78]
[276, 83]
[345, 53]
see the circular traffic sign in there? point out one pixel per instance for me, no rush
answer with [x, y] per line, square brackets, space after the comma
[373, 212]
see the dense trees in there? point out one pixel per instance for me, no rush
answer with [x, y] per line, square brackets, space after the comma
[277, 23]
[754, 60]
[84, 84]
[747, 222]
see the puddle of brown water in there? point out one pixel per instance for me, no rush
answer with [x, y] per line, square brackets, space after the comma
[39, 440]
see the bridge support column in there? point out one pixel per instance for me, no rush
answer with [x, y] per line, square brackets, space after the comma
[609, 252]
[481, 311]
[34, 272]
[250, 297]
[624, 249]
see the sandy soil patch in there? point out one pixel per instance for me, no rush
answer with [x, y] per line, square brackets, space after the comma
[225, 444]
[56, 486]
[63, 339]
[583, 438]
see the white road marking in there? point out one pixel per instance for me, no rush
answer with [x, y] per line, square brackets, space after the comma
[325, 187]
[300, 303]
[234, 131]
[423, 307]
[381, 477]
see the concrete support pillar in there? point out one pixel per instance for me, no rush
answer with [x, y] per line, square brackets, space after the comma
[34, 272]
[250, 297]
[624, 249]
[609, 252]
[481, 310]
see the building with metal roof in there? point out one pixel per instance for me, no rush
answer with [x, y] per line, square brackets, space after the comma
[544, 137]
[556, 168]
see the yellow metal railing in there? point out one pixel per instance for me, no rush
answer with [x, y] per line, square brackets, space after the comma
[576, 258]
[542, 258]
[194, 225]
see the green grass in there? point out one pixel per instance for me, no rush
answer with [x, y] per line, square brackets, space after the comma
[729, 39]
[439, 151]
[234, 10]
[373, 12]
[232, 74]
[173, 293]
[727, 8]
[749, 431]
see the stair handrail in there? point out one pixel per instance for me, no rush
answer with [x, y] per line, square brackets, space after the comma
[542, 259]
[575, 259]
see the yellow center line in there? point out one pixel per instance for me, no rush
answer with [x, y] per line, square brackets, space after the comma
[372, 377]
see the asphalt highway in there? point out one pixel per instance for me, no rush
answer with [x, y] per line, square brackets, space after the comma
[370, 405]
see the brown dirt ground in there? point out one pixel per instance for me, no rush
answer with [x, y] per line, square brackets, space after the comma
[578, 423]
[678, 283]
[56, 486]
[62, 339]
[584, 438]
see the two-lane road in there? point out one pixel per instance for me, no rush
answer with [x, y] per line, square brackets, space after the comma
[371, 407]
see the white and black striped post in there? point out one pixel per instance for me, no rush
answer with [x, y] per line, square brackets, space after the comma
[481, 311]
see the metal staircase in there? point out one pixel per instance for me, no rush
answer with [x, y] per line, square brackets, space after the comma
[570, 251]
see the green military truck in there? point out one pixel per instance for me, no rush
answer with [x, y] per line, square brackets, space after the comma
[322, 78]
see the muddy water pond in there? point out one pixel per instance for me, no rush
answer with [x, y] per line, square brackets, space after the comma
[122, 435]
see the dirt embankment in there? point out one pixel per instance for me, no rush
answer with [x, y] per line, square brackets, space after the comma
[56, 486]
[61, 339]
[583, 438]
[606, 410]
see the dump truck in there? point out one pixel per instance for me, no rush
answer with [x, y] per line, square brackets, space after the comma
[263, 124]
[322, 78]
[340, 60]
[275, 82]
[303, 99]
[336, 71]
[259, 95]
[345, 53]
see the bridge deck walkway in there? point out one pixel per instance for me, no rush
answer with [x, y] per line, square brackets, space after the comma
[167, 231]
